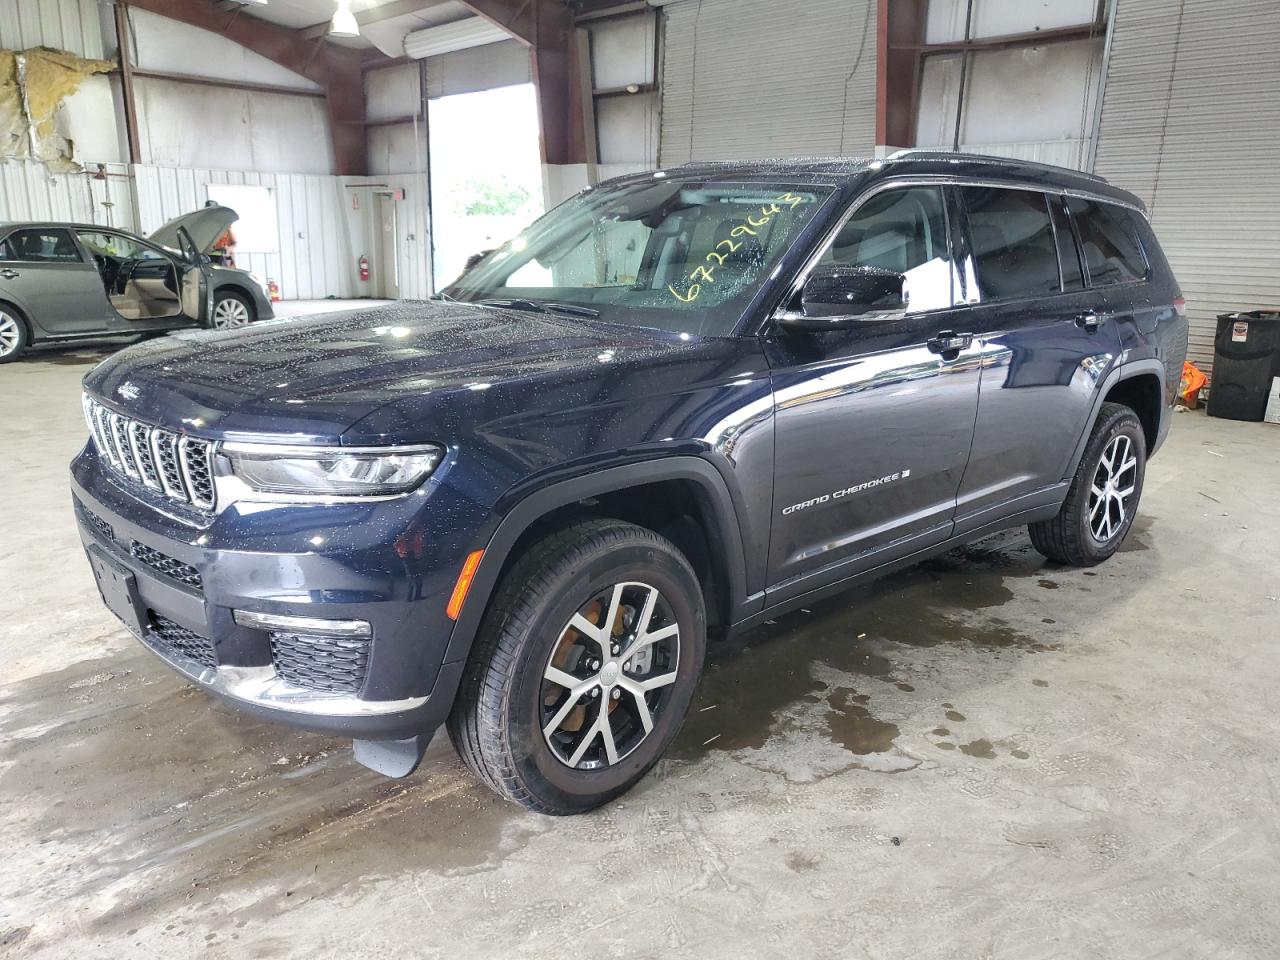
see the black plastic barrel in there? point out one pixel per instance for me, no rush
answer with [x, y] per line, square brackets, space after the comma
[1246, 357]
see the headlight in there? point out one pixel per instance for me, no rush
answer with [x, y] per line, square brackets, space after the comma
[332, 471]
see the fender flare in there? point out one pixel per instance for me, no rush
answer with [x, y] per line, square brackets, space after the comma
[610, 480]
[1120, 373]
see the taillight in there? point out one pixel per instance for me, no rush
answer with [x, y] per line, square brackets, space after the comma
[1180, 306]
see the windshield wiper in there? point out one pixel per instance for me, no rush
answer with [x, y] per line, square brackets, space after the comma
[541, 306]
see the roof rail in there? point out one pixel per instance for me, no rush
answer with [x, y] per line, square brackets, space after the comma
[915, 153]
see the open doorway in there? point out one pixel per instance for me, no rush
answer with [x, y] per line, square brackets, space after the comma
[486, 173]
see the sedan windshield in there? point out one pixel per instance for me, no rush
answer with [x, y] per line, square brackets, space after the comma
[677, 254]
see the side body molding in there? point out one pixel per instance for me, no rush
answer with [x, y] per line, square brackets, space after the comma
[610, 480]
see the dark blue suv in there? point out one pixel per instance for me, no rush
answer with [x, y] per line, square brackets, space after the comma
[678, 404]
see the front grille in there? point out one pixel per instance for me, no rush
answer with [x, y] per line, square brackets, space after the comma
[179, 640]
[178, 467]
[335, 664]
[166, 565]
[97, 523]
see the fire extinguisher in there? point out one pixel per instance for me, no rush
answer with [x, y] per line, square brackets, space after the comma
[273, 291]
[364, 269]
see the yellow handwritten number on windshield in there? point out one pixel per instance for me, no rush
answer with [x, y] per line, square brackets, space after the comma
[704, 274]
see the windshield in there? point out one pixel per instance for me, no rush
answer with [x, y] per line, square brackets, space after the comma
[677, 254]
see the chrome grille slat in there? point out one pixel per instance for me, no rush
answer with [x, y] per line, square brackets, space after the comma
[197, 471]
[140, 443]
[178, 466]
[119, 436]
[168, 465]
[105, 441]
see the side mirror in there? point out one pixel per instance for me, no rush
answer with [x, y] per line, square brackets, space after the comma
[837, 296]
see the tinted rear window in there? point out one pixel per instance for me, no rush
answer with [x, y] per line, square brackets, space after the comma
[1109, 242]
[1013, 243]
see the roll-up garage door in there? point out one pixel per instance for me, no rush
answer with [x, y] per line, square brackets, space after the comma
[1191, 123]
[750, 79]
[477, 68]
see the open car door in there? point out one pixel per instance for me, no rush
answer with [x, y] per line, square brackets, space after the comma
[195, 286]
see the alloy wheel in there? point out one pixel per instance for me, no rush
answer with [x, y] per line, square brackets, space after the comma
[10, 334]
[230, 312]
[608, 675]
[1113, 484]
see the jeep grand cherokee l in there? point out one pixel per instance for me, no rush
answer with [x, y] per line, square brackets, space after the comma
[680, 403]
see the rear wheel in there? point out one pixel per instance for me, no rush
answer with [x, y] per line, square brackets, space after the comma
[1103, 498]
[13, 334]
[583, 669]
[230, 309]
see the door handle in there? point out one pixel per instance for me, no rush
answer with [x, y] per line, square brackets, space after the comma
[1089, 321]
[9, 274]
[949, 344]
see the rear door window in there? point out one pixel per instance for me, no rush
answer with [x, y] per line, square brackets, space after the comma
[1013, 243]
[41, 245]
[1110, 245]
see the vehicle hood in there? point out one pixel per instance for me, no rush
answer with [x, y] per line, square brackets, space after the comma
[313, 379]
[204, 226]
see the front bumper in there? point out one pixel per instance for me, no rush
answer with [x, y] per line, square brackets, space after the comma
[185, 583]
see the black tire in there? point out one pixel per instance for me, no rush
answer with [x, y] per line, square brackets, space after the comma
[235, 296]
[18, 337]
[1069, 537]
[497, 720]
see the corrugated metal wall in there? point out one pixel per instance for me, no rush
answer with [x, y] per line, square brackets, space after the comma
[316, 249]
[1191, 123]
[28, 191]
[744, 80]
[71, 25]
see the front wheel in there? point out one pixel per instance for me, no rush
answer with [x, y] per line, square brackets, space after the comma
[583, 669]
[1103, 498]
[230, 310]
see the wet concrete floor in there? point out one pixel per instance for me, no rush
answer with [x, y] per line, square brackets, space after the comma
[984, 755]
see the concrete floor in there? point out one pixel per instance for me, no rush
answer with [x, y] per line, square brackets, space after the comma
[985, 756]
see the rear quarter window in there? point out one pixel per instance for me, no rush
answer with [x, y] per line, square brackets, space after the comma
[1109, 242]
[1013, 243]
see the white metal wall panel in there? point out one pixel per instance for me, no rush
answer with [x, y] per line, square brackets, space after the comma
[1190, 122]
[71, 25]
[743, 80]
[28, 191]
[170, 46]
[183, 125]
[316, 257]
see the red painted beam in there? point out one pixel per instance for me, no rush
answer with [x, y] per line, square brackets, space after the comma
[559, 65]
[899, 33]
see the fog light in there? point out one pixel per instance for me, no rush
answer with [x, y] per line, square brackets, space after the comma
[328, 628]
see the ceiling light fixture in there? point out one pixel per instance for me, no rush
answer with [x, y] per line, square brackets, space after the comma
[344, 21]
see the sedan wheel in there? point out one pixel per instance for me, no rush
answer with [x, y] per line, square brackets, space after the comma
[13, 336]
[229, 312]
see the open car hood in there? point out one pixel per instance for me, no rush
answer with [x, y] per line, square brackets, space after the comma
[204, 226]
